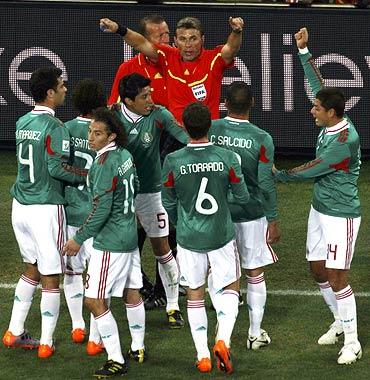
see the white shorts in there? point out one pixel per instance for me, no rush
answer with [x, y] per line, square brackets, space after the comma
[251, 239]
[76, 264]
[332, 239]
[109, 273]
[40, 231]
[194, 266]
[152, 215]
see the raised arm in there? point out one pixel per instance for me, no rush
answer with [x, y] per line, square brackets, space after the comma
[132, 38]
[233, 43]
[311, 71]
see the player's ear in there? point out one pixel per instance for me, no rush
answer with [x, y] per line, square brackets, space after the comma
[175, 41]
[112, 137]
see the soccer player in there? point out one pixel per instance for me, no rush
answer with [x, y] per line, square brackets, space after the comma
[196, 182]
[143, 122]
[334, 218]
[114, 266]
[38, 219]
[256, 226]
[87, 96]
[192, 73]
[155, 29]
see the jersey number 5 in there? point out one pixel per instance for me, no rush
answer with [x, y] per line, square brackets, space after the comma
[203, 196]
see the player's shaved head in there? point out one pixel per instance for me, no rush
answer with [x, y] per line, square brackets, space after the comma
[197, 120]
[239, 98]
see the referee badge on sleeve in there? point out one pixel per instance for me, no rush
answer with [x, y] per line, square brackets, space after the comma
[199, 92]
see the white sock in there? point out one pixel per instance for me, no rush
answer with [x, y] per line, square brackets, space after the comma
[22, 302]
[49, 306]
[108, 330]
[74, 294]
[215, 294]
[329, 298]
[136, 323]
[347, 314]
[226, 317]
[94, 335]
[198, 322]
[256, 301]
[169, 272]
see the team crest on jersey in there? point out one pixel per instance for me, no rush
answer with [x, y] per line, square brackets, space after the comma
[147, 139]
[199, 92]
[65, 146]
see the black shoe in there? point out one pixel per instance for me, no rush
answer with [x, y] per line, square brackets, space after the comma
[155, 300]
[175, 319]
[110, 369]
[139, 355]
[146, 291]
[182, 291]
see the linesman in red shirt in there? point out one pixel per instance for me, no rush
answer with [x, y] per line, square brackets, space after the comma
[155, 30]
[192, 73]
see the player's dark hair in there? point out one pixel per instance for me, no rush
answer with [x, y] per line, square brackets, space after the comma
[239, 98]
[153, 18]
[112, 123]
[190, 23]
[197, 120]
[332, 98]
[42, 80]
[88, 95]
[131, 85]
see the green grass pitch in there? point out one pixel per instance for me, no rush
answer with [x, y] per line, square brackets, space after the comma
[293, 322]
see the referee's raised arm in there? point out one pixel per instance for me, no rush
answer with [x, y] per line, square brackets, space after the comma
[132, 38]
[234, 41]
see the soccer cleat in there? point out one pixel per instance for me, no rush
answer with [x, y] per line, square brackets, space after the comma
[138, 355]
[175, 319]
[350, 353]
[78, 335]
[223, 357]
[24, 340]
[155, 300]
[93, 348]
[110, 369]
[332, 335]
[45, 351]
[254, 343]
[204, 365]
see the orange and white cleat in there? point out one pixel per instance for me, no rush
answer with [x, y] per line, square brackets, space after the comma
[222, 354]
[204, 365]
[78, 335]
[93, 348]
[23, 341]
[45, 351]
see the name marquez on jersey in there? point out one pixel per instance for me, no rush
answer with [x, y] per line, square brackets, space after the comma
[77, 142]
[201, 167]
[27, 134]
[122, 169]
[232, 141]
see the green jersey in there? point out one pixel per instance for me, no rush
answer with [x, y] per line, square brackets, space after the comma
[78, 202]
[112, 183]
[43, 150]
[196, 182]
[143, 143]
[337, 164]
[256, 150]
